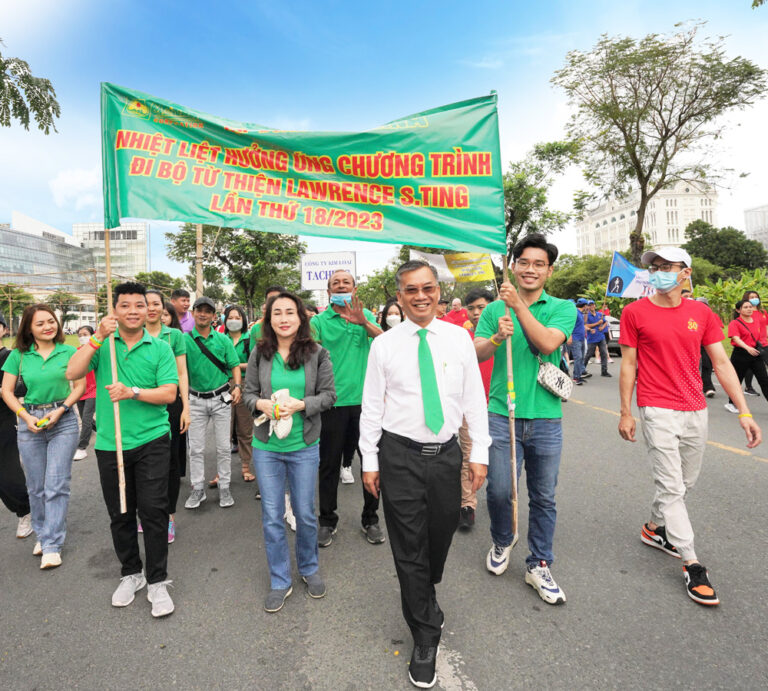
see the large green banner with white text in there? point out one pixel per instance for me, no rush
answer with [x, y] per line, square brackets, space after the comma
[431, 179]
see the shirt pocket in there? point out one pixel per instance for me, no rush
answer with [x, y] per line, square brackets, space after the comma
[453, 379]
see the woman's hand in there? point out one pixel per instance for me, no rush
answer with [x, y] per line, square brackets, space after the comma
[32, 421]
[264, 405]
[293, 405]
[184, 420]
[754, 352]
[54, 417]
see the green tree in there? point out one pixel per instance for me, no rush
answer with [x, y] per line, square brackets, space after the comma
[249, 259]
[23, 95]
[13, 300]
[728, 247]
[647, 111]
[64, 302]
[160, 280]
[101, 306]
[378, 286]
[572, 274]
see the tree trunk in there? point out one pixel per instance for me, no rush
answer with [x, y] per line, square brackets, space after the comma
[636, 239]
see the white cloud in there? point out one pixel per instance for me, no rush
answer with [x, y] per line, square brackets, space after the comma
[77, 187]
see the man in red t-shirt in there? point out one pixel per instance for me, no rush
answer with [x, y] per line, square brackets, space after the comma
[457, 314]
[660, 341]
[477, 300]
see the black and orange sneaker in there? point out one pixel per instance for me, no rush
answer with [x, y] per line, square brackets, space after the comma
[699, 588]
[658, 539]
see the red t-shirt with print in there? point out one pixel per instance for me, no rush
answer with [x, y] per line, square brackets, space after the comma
[749, 333]
[668, 342]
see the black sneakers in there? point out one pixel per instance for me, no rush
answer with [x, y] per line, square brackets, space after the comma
[658, 539]
[421, 671]
[466, 518]
[699, 588]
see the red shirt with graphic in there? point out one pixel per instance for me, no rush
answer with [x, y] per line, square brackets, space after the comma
[748, 332]
[486, 368]
[668, 342]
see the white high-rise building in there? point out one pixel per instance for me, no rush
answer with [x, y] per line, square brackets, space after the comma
[127, 246]
[756, 224]
[606, 227]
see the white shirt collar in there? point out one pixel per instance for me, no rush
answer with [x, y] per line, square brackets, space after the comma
[414, 327]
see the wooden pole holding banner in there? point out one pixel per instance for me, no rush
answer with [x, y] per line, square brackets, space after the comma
[511, 409]
[113, 360]
[199, 261]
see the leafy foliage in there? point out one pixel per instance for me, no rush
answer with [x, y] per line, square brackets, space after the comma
[160, 280]
[723, 294]
[13, 300]
[728, 247]
[63, 302]
[646, 111]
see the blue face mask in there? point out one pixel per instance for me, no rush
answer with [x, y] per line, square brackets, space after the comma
[663, 281]
[341, 299]
[754, 301]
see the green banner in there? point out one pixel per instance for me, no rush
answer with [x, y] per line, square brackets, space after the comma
[431, 179]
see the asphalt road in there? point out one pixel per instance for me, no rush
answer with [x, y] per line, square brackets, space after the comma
[627, 623]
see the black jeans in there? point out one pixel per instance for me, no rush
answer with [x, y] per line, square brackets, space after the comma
[340, 425]
[603, 355]
[86, 407]
[146, 490]
[743, 362]
[420, 496]
[177, 466]
[13, 484]
[706, 371]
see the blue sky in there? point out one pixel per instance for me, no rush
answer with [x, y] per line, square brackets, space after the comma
[329, 65]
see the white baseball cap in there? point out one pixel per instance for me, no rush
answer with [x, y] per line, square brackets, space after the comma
[670, 254]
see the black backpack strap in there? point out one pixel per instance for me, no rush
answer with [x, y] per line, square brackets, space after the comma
[211, 356]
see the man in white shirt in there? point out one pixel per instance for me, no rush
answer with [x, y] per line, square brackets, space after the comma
[422, 379]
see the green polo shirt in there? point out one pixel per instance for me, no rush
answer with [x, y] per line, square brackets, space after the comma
[175, 339]
[256, 333]
[203, 374]
[532, 400]
[348, 345]
[46, 380]
[294, 380]
[240, 347]
[148, 364]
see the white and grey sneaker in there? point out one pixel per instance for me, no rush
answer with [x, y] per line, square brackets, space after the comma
[196, 497]
[731, 408]
[346, 475]
[539, 577]
[157, 594]
[24, 527]
[225, 497]
[37, 550]
[126, 591]
[497, 560]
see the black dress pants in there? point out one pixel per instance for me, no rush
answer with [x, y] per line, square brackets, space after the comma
[13, 484]
[340, 426]
[178, 458]
[420, 494]
[146, 490]
[743, 362]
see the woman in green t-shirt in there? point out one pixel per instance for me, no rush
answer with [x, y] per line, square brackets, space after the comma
[47, 432]
[287, 357]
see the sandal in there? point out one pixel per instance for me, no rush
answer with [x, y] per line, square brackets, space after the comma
[248, 476]
[214, 482]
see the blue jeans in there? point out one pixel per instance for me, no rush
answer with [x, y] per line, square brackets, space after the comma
[300, 468]
[47, 460]
[577, 358]
[539, 443]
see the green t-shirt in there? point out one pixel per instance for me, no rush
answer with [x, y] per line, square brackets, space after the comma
[203, 374]
[242, 347]
[531, 399]
[148, 364]
[294, 381]
[256, 333]
[348, 345]
[46, 380]
[175, 339]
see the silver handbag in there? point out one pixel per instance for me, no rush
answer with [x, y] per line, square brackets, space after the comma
[553, 379]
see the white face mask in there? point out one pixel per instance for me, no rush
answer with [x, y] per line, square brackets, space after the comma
[83, 339]
[393, 320]
[234, 324]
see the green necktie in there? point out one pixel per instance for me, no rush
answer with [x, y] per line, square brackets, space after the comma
[433, 409]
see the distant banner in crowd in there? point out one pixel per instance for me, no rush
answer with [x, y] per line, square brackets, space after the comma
[432, 179]
[627, 281]
[316, 268]
[459, 268]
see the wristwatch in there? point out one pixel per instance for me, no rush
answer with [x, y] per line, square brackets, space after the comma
[136, 391]
[237, 386]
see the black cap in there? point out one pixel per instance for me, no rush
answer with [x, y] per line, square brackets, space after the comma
[204, 301]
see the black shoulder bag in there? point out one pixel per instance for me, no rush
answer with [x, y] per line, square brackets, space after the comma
[759, 347]
[20, 390]
[212, 357]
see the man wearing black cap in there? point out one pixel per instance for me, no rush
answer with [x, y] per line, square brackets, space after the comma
[211, 361]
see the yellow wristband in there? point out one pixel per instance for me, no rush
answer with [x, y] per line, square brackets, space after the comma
[18, 412]
[745, 414]
[494, 342]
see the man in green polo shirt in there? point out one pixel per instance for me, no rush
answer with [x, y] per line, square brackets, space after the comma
[147, 380]
[547, 322]
[345, 329]
[211, 361]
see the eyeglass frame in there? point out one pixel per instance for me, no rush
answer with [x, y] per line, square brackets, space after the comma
[666, 266]
[538, 265]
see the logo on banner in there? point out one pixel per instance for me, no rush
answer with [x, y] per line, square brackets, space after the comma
[137, 109]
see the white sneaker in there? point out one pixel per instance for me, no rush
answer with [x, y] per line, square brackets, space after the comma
[497, 560]
[50, 560]
[126, 591]
[37, 550]
[157, 594]
[290, 519]
[539, 577]
[346, 476]
[80, 454]
[24, 528]
[731, 408]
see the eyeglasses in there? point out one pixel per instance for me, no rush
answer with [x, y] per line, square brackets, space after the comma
[538, 265]
[667, 266]
[413, 290]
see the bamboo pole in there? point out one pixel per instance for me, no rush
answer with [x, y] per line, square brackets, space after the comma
[113, 359]
[511, 408]
[199, 260]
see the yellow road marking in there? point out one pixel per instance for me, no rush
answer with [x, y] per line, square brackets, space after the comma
[716, 444]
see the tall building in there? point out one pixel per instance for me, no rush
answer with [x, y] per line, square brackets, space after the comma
[756, 224]
[607, 227]
[127, 246]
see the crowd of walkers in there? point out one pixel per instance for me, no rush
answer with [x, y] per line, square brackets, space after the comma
[419, 391]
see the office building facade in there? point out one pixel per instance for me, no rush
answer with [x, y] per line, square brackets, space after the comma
[756, 224]
[127, 246]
